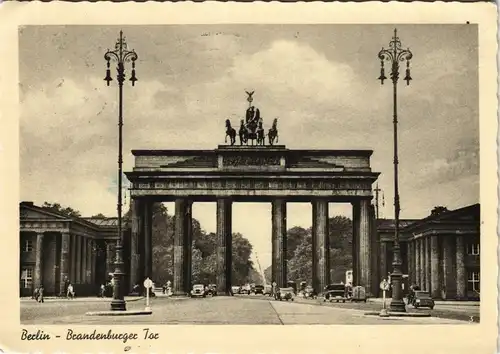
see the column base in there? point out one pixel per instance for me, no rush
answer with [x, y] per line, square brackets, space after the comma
[397, 306]
[118, 305]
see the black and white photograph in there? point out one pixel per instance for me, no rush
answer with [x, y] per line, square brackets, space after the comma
[250, 174]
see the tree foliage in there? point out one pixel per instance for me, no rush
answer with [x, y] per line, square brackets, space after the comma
[57, 208]
[204, 252]
[299, 251]
[439, 210]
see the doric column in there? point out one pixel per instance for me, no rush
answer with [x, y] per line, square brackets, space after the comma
[88, 263]
[375, 253]
[320, 245]
[148, 239]
[64, 262]
[355, 242]
[422, 263]
[383, 260]
[417, 262]
[435, 268]
[93, 256]
[134, 242]
[78, 264]
[84, 260]
[448, 267]
[365, 245]
[110, 261]
[73, 259]
[460, 264]
[410, 261]
[224, 245]
[423, 259]
[39, 260]
[178, 283]
[279, 270]
[188, 258]
[427, 268]
[180, 246]
[428, 279]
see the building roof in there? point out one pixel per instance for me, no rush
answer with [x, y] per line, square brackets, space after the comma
[93, 222]
[389, 224]
[106, 222]
[103, 221]
[407, 225]
[454, 216]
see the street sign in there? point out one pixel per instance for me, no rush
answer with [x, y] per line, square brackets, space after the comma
[148, 283]
[384, 285]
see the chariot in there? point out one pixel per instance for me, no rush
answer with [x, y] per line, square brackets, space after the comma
[252, 127]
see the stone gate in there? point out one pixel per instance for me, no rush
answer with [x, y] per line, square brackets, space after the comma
[271, 174]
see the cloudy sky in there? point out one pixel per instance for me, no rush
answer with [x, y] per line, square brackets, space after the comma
[320, 80]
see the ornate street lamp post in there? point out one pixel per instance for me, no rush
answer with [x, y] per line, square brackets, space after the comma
[395, 54]
[121, 56]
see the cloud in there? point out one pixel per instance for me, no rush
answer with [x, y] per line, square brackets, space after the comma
[193, 83]
[464, 162]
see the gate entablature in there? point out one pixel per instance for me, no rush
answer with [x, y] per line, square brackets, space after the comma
[252, 172]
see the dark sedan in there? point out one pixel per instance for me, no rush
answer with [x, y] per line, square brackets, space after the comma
[258, 289]
[422, 299]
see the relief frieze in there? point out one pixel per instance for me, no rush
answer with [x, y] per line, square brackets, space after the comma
[261, 184]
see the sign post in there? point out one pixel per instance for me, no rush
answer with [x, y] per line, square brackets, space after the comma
[148, 284]
[384, 286]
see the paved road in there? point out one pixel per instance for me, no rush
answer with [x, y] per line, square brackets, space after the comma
[461, 312]
[217, 310]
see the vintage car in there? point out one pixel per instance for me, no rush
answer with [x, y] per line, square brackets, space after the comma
[246, 289]
[335, 292]
[293, 285]
[422, 299]
[285, 294]
[358, 293]
[258, 289]
[198, 291]
[211, 290]
[268, 290]
[310, 293]
[236, 289]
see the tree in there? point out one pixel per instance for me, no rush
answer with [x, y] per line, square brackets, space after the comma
[299, 254]
[57, 208]
[268, 274]
[99, 216]
[255, 277]
[439, 210]
[204, 251]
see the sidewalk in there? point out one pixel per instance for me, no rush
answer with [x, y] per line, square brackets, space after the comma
[437, 302]
[81, 299]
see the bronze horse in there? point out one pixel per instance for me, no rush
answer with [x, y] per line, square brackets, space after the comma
[243, 133]
[230, 132]
[261, 138]
[273, 132]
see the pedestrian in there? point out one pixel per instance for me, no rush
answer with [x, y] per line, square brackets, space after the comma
[70, 293]
[35, 294]
[40, 294]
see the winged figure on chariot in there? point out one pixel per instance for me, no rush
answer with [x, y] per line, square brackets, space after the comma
[252, 127]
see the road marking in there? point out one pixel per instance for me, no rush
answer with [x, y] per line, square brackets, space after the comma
[276, 312]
